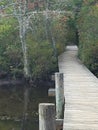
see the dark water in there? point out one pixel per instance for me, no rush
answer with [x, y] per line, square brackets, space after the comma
[12, 107]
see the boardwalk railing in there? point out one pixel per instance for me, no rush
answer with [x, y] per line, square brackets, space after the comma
[48, 118]
[80, 89]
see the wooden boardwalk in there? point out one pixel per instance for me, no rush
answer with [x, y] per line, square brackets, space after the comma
[81, 93]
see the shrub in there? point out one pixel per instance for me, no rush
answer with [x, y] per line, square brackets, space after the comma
[88, 39]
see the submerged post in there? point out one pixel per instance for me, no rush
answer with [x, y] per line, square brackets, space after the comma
[47, 116]
[59, 85]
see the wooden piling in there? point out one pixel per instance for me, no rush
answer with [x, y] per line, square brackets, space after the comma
[59, 86]
[51, 92]
[47, 116]
[59, 124]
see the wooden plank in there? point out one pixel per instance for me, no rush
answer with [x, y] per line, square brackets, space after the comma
[81, 92]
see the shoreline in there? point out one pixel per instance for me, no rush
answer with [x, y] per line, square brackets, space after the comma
[11, 82]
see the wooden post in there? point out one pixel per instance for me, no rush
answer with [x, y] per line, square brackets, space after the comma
[59, 84]
[47, 116]
[51, 92]
[59, 124]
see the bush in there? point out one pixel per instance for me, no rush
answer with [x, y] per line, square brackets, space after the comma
[40, 52]
[88, 39]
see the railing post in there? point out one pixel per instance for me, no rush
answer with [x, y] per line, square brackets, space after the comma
[47, 116]
[59, 89]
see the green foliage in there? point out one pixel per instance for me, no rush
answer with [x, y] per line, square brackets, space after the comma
[46, 39]
[69, 21]
[58, 31]
[40, 47]
[87, 25]
[71, 31]
[42, 60]
[10, 48]
[44, 56]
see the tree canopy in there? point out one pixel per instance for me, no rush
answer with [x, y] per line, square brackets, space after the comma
[33, 33]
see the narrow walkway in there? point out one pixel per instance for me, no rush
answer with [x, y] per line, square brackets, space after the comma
[81, 93]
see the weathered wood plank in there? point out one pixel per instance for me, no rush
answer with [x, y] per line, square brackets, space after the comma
[81, 92]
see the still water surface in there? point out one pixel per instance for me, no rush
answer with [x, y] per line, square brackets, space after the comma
[12, 107]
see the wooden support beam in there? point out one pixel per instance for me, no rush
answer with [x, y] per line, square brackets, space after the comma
[47, 116]
[51, 92]
[59, 85]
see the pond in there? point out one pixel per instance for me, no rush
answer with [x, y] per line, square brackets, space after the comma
[12, 107]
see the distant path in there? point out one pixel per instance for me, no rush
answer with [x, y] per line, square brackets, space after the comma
[81, 93]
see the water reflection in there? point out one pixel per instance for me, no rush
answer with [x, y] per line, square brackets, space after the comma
[13, 107]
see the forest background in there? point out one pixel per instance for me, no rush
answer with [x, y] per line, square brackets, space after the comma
[47, 37]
